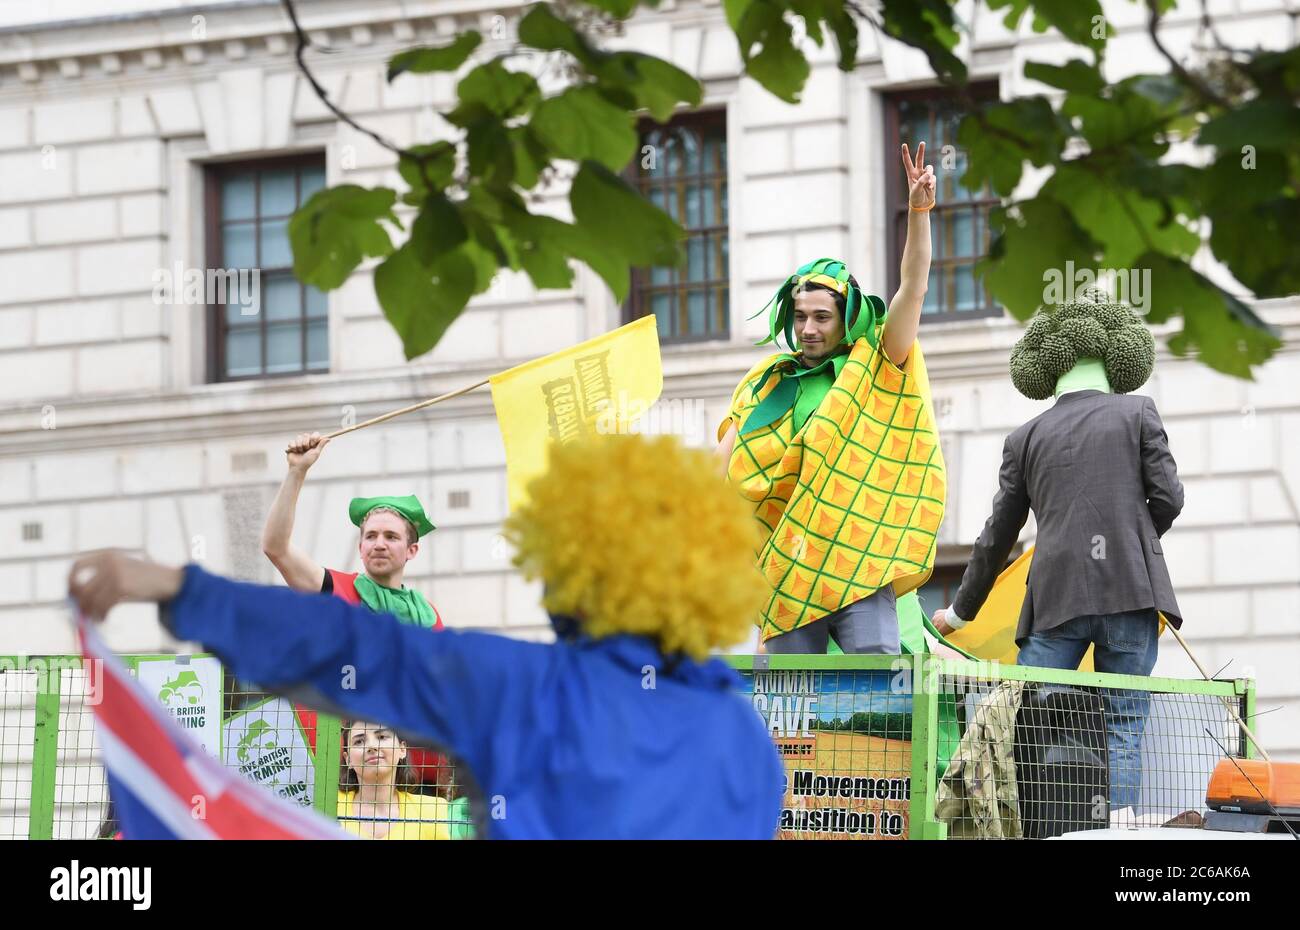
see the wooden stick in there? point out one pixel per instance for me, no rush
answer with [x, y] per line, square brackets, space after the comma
[398, 413]
[1232, 710]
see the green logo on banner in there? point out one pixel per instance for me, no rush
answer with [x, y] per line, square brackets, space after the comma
[183, 696]
[259, 738]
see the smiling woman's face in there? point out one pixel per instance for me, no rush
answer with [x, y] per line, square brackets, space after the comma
[817, 324]
[374, 752]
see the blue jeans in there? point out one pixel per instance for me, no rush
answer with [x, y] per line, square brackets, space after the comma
[1124, 644]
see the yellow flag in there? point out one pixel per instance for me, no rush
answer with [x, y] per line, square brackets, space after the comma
[992, 634]
[601, 385]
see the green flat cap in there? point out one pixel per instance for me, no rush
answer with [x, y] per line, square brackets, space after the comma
[408, 506]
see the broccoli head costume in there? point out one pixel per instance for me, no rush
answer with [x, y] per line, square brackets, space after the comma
[1094, 332]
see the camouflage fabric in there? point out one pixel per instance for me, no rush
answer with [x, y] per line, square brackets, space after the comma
[852, 501]
[977, 797]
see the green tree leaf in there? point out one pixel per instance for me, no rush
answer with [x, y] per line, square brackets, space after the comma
[1080, 21]
[1075, 75]
[437, 229]
[658, 86]
[1042, 236]
[777, 65]
[1126, 118]
[336, 229]
[438, 167]
[615, 218]
[1112, 213]
[421, 301]
[529, 154]
[1263, 123]
[1257, 241]
[1223, 332]
[491, 90]
[490, 154]
[542, 29]
[1000, 138]
[580, 124]
[427, 59]
[927, 25]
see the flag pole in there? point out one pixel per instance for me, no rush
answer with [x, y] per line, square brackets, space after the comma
[1226, 703]
[413, 407]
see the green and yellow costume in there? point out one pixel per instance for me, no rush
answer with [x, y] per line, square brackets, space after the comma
[841, 463]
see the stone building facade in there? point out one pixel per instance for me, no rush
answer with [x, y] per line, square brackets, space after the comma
[118, 118]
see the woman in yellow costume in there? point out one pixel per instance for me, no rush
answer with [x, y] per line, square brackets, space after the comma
[836, 448]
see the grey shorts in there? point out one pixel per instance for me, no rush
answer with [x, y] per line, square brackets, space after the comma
[865, 627]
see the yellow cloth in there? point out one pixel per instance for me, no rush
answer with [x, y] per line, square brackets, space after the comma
[421, 817]
[853, 501]
[992, 634]
[599, 386]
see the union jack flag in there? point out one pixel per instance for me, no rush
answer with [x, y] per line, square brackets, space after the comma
[165, 786]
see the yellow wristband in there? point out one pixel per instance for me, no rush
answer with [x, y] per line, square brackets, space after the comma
[922, 209]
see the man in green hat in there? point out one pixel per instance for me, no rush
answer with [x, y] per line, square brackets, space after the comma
[391, 528]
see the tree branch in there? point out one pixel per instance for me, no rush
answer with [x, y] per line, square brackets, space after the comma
[1204, 90]
[303, 43]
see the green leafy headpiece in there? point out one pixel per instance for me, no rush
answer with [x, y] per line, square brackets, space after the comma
[862, 312]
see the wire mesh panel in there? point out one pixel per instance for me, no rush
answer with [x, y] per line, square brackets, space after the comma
[1034, 759]
[80, 802]
[17, 731]
[270, 741]
[845, 739]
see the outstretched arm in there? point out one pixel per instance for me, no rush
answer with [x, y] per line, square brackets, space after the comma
[454, 690]
[914, 275]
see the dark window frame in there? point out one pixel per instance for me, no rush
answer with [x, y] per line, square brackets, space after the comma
[638, 302]
[896, 205]
[215, 325]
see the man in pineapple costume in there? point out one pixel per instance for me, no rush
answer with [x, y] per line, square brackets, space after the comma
[835, 446]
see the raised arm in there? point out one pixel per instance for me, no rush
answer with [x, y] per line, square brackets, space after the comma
[299, 570]
[914, 275]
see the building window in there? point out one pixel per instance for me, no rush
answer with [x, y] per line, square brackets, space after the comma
[959, 229]
[682, 168]
[248, 210]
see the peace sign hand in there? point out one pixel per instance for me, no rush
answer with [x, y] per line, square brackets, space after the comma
[920, 179]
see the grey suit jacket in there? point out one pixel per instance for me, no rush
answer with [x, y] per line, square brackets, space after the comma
[1097, 473]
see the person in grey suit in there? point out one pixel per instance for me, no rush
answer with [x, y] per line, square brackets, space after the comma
[1097, 472]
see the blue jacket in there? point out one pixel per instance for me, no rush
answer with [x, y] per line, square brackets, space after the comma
[582, 738]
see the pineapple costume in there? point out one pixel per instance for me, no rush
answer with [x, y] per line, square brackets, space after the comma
[840, 461]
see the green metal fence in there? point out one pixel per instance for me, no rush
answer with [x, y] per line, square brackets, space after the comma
[875, 747]
[881, 747]
[52, 783]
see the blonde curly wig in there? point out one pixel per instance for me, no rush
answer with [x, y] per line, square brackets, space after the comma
[641, 535]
